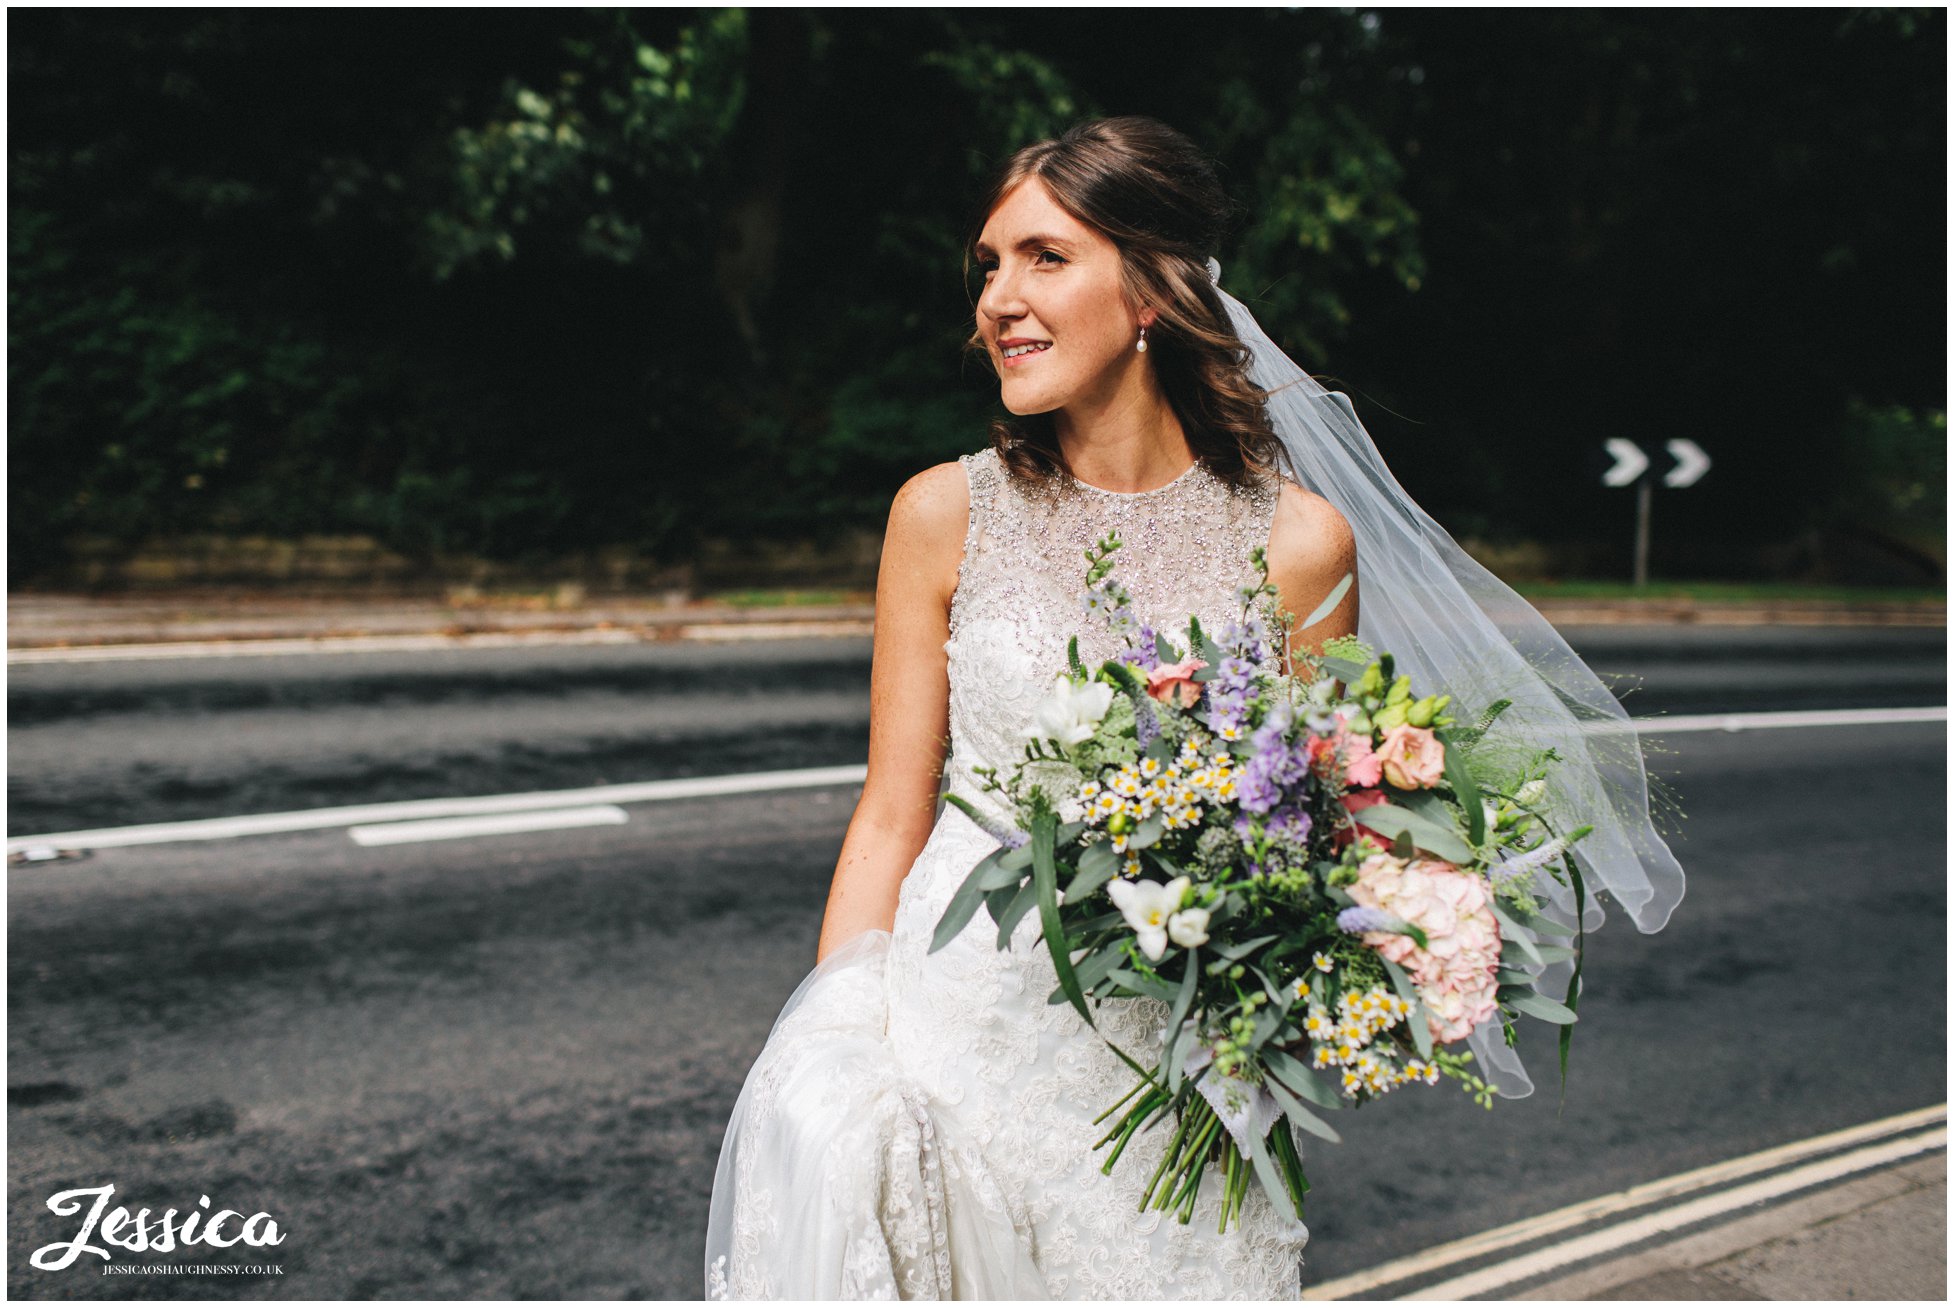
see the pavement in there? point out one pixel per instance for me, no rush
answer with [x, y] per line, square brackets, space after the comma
[67, 621]
[38, 620]
[1881, 1237]
[1859, 1214]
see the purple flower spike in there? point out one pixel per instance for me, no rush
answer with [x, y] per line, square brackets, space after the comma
[1290, 825]
[1258, 794]
[1357, 920]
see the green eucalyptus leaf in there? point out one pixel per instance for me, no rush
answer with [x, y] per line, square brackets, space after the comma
[1391, 821]
[1090, 971]
[1345, 670]
[1421, 1032]
[1152, 987]
[1535, 1004]
[1098, 857]
[1330, 602]
[996, 875]
[1299, 1079]
[1240, 947]
[1293, 1109]
[1045, 879]
[1513, 933]
[1093, 873]
[1021, 903]
[961, 908]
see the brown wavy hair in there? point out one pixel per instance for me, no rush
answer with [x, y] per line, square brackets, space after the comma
[1158, 198]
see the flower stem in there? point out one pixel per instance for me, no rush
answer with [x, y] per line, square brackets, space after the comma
[1231, 1171]
[1173, 1145]
[1193, 1162]
[1123, 1098]
[1132, 1125]
[1133, 1115]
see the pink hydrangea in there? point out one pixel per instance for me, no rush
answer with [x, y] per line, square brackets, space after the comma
[1456, 972]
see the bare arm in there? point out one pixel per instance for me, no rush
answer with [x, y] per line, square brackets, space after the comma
[909, 704]
[1310, 550]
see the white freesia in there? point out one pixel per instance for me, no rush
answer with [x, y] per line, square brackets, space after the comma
[1188, 928]
[1147, 905]
[1070, 713]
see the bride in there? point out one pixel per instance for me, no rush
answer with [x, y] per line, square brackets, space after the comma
[920, 1125]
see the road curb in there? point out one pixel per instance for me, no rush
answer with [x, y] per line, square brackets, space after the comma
[1708, 1215]
[40, 627]
[1727, 1261]
[1747, 613]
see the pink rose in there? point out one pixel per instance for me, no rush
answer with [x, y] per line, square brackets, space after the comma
[1171, 679]
[1361, 767]
[1413, 758]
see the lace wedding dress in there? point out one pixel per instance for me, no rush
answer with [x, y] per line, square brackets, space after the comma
[920, 1125]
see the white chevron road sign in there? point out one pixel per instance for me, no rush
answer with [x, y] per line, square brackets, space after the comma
[1691, 463]
[1629, 462]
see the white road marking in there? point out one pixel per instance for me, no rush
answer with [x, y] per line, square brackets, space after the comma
[1662, 725]
[644, 792]
[1489, 1279]
[1870, 1145]
[488, 824]
[316, 819]
[187, 649]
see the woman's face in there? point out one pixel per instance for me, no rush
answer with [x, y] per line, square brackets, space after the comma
[1053, 282]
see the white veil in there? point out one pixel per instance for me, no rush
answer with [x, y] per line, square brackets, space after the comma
[1459, 630]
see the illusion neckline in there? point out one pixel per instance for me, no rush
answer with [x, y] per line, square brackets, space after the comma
[1185, 473]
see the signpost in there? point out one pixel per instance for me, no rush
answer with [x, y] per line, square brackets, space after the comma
[1631, 468]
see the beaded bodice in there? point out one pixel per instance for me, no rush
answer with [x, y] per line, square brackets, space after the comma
[1021, 588]
[921, 1123]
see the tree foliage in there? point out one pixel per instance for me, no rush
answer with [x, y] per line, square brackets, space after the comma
[526, 281]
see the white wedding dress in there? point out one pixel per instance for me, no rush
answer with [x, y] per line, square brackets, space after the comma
[919, 1125]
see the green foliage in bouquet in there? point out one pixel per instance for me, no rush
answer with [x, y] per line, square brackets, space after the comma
[1259, 852]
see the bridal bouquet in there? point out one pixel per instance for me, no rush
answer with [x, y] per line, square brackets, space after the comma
[1324, 874]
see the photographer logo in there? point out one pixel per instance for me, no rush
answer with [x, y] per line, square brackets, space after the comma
[139, 1233]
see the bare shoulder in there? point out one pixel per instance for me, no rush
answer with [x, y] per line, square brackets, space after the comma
[936, 493]
[927, 520]
[1309, 532]
[1311, 548]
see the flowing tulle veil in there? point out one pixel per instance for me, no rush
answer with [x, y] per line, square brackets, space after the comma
[1454, 626]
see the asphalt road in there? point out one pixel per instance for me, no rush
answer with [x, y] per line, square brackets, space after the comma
[500, 1067]
[113, 744]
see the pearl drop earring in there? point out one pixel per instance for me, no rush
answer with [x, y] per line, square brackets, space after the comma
[1142, 346]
